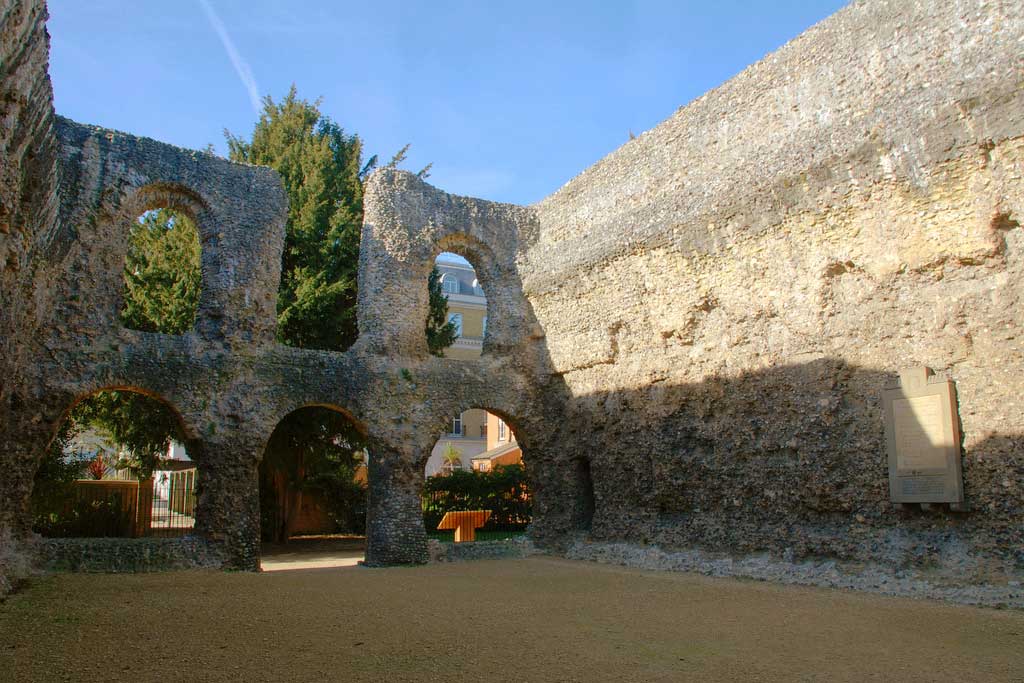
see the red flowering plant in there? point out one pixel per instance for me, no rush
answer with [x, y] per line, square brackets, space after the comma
[97, 467]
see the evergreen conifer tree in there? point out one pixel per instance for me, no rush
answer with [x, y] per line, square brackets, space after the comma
[440, 332]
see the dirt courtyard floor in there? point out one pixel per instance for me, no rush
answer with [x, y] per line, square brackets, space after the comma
[536, 619]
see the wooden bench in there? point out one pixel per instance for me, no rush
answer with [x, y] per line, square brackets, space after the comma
[465, 523]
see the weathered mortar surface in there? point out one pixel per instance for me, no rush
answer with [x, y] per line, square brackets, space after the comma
[128, 554]
[28, 207]
[28, 175]
[725, 296]
[480, 550]
[967, 589]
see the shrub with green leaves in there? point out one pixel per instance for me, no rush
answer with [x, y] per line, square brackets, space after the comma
[503, 491]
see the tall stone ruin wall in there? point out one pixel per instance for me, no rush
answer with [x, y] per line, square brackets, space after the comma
[725, 296]
[28, 204]
[227, 380]
[690, 339]
[28, 179]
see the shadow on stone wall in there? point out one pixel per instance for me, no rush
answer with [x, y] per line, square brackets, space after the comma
[789, 460]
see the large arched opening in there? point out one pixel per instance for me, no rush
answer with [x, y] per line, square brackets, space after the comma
[477, 466]
[118, 466]
[313, 479]
[163, 263]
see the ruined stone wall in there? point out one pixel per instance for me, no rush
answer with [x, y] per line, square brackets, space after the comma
[28, 207]
[689, 340]
[725, 296]
[28, 179]
[227, 379]
[28, 174]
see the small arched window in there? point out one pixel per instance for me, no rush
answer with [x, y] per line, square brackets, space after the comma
[449, 284]
[161, 273]
[451, 465]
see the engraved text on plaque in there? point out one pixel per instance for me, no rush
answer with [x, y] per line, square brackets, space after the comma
[922, 433]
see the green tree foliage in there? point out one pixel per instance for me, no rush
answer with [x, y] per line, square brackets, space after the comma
[400, 156]
[162, 276]
[138, 427]
[451, 456]
[440, 332]
[162, 273]
[141, 426]
[54, 479]
[503, 491]
[323, 175]
[322, 172]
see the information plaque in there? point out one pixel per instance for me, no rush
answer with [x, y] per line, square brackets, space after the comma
[922, 435]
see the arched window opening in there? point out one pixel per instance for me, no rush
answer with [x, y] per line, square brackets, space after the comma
[472, 472]
[449, 284]
[457, 318]
[313, 490]
[118, 466]
[162, 273]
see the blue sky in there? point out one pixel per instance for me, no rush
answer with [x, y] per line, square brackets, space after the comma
[508, 100]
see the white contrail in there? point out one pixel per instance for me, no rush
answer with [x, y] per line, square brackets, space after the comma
[241, 67]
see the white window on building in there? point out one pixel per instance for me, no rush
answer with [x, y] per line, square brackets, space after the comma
[484, 333]
[502, 431]
[457, 426]
[449, 284]
[456, 319]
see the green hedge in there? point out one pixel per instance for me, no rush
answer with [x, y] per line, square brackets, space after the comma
[503, 491]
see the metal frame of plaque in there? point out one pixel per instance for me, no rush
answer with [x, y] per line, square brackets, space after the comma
[922, 436]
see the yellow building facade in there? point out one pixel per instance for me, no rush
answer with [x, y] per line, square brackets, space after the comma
[467, 308]
[475, 431]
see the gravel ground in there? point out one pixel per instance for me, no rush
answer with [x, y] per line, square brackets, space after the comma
[534, 619]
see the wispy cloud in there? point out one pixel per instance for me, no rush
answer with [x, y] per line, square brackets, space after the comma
[241, 66]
